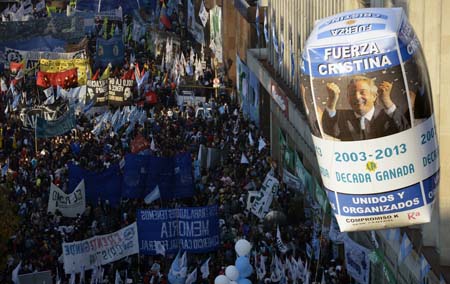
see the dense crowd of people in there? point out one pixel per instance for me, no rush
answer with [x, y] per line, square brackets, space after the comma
[27, 175]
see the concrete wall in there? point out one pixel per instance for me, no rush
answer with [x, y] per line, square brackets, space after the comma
[431, 21]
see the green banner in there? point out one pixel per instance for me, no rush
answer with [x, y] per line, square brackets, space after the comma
[51, 128]
[376, 256]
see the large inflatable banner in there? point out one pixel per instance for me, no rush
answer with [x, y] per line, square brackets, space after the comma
[368, 100]
[100, 250]
[192, 229]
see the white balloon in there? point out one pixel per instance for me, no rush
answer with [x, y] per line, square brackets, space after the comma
[232, 273]
[242, 247]
[233, 282]
[221, 279]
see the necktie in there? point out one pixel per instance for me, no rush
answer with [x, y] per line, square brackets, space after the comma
[363, 124]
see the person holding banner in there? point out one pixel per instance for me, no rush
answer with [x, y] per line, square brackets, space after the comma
[366, 120]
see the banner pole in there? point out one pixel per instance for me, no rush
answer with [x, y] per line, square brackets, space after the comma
[35, 140]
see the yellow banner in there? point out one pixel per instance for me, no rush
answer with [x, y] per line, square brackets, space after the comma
[58, 65]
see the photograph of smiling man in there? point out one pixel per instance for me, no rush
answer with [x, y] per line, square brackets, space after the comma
[372, 113]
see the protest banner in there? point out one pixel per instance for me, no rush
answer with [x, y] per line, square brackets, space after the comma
[97, 91]
[58, 65]
[120, 91]
[36, 277]
[32, 57]
[262, 202]
[64, 79]
[47, 129]
[105, 186]
[374, 58]
[109, 51]
[191, 229]
[100, 250]
[68, 28]
[70, 205]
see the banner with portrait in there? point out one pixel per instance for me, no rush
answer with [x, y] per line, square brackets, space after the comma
[100, 250]
[368, 100]
[120, 91]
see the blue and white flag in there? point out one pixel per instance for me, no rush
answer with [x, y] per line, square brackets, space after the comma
[392, 234]
[178, 270]
[357, 261]
[292, 59]
[192, 277]
[266, 29]
[405, 248]
[204, 269]
[281, 53]
[442, 280]
[257, 21]
[424, 268]
[274, 39]
[280, 245]
[153, 195]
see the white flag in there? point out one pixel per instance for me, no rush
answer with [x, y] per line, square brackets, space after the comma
[204, 269]
[261, 269]
[244, 159]
[281, 246]
[15, 273]
[72, 278]
[192, 277]
[261, 144]
[152, 145]
[48, 92]
[40, 5]
[118, 280]
[250, 139]
[153, 195]
[160, 248]
[203, 14]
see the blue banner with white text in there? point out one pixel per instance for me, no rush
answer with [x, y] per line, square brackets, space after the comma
[192, 229]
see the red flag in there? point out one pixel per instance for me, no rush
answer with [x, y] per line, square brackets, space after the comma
[139, 143]
[151, 98]
[129, 75]
[164, 18]
[14, 67]
[96, 75]
[64, 79]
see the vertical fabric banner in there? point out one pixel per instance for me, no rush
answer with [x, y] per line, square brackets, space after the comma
[109, 51]
[357, 261]
[215, 22]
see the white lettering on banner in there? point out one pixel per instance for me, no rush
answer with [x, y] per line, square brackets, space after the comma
[180, 228]
[100, 250]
